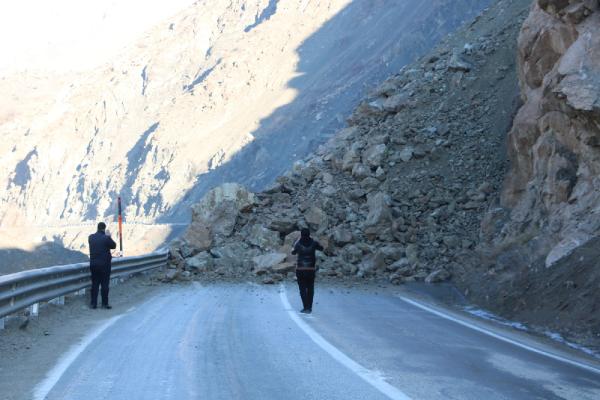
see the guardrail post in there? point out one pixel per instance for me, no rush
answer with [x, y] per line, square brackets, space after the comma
[34, 310]
[1, 323]
[12, 299]
[59, 301]
[116, 281]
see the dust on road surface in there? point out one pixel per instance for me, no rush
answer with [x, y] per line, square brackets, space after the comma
[224, 341]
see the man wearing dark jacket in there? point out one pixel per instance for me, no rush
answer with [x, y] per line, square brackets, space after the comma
[100, 258]
[305, 248]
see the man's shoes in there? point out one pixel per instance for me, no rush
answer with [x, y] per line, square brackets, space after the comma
[93, 306]
[303, 311]
[308, 310]
[106, 306]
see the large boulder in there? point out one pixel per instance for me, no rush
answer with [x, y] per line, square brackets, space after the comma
[436, 276]
[351, 253]
[281, 198]
[379, 209]
[396, 102]
[198, 237]
[263, 238]
[267, 261]
[372, 264]
[565, 247]
[403, 267]
[457, 63]
[360, 171]
[216, 214]
[316, 218]
[373, 156]
[406, 154]
[342, 236]
[180, 249]
[392, 252]
[233, 256]
[289, 240]
[170, 275]
[234, 193]
[282, 224]
[350, 158]
[201, 262]
[412, 253]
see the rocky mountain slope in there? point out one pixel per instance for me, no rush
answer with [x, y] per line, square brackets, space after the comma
[423, 184]
[400, 192]
[226, 90]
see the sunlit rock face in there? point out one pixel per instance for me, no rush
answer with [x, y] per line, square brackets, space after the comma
[224, 91]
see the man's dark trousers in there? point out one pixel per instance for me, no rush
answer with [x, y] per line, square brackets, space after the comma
[100, 279]
[306, 284]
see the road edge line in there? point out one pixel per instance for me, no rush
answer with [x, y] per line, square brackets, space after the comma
[372, 378]
[42, 390]
[505, 339]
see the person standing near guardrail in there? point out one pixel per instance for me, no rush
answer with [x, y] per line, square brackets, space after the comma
[100, 244]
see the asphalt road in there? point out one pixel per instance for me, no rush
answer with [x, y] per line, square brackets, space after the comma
[248, 342]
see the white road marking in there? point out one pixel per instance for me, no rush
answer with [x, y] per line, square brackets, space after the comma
[500, 337]
[43, 389]
[371, 377]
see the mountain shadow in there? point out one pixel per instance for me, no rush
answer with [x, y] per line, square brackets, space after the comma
[362, 45]
[44, 255]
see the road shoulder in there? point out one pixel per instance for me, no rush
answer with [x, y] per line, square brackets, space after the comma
[30, 348]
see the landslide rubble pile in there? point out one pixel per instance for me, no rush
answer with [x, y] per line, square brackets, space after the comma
[399, 194]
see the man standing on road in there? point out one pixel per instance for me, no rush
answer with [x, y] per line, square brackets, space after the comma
[306, 248]
[100, 258]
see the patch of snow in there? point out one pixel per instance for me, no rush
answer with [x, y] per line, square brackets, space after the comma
[558, 338]
[492, 317]
[483, 314]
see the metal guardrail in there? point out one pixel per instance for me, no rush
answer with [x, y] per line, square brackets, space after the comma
[23, 289]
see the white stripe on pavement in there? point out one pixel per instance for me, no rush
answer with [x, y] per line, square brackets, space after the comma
[371, 377]
[42, 390]
[501, 337]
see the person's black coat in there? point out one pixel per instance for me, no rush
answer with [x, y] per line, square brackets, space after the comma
[100, 247]
[306, 250]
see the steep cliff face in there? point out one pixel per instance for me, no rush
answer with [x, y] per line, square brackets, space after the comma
[539, 242]
[554, 146]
